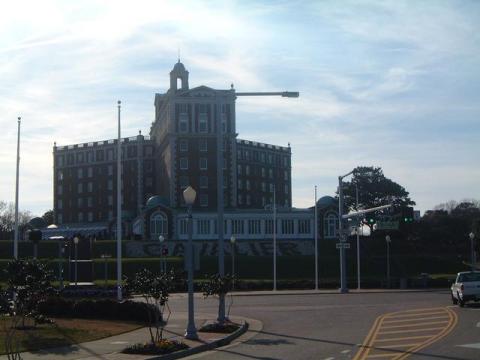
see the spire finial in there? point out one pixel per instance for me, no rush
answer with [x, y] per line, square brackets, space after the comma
[178, 50]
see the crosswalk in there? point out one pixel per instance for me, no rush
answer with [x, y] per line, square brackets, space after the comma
[400, 334]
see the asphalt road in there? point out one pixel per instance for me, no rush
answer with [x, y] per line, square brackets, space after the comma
[390, 325]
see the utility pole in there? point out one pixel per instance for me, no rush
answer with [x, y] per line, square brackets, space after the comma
[15, 239]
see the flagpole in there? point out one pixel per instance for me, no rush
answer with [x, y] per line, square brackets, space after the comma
[119, 209]
[15, 240]
[316, 240]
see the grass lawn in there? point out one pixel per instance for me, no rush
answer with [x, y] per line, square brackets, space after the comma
[64, 332]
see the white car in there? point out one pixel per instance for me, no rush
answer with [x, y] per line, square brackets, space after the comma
[466, 287]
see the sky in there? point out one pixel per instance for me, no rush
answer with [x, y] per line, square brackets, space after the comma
[394, 84]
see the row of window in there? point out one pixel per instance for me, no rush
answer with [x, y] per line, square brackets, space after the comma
[90, 172]
[246, 199]
[248, 227]
[262, 186]
[263, 157]
[247, 170]
[202, 163]
[202, 125]
[91, 156]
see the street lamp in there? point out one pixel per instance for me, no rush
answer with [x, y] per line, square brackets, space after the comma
[232, 242]
[388, 241]
[472, 249]
[75, 241]
[189, 195]
[341, 236]
[161, 239]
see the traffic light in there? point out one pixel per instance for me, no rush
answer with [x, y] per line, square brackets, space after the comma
[370, 218]
[407, 214]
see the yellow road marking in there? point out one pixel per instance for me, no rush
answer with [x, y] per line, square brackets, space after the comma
[413, 315]
[404, 338]
[414, 319]
[419, 324]
[397, 346]
[370, 349]
[409, 331]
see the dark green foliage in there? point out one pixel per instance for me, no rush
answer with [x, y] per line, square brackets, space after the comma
[374, 189]
[154, 289]
[107, 309]
[159, 348]
[31, 282]
[225, 328]
[216, 285]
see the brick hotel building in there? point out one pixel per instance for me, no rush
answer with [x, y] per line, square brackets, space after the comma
[179, 151]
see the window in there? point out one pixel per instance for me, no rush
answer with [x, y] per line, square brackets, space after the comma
[80, 173]
[148, 181]
[224, 164]
[183, 122]
[263, 172]
[80, 202]
[59, 189]
[287, 226]
[247, 184]
[240, 199]
[79, 158]
[183, 145]
[90, 186]
[80, 188]
[254, 226]
[270, 173]
[224, 117]
[59, 218]
[158, 225]
[183, 163]
[264, 186]
[89, 201]
[202, 122]
[89, 172]
[268, 226]
[202, 144]
[272, 188]
[90, 216]
[237, 227]
[203, 227]
[99, 155]
[110, 170]
[304, 226]
[285, 161]
[248, 200]
[262, 157]
[110, 200]
[247, 169]
[183, 182]
[330, 225]
[90, 157]
[286, 189]
[203, 182]
[80, 217]
[60, 175]
[60, 160]
[285, 175]
[270, 158]
[110, 215]
[203, 200]
[110, 154]
[110, 184]
[183, 226]
[239, 169]
[203, 163]
[240, 184]
[59, 204]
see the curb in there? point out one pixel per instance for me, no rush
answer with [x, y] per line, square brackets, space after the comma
[204, 347]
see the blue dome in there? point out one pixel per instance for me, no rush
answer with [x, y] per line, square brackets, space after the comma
[179, 66]
[326, 201]
[155, 201]
[37, 223]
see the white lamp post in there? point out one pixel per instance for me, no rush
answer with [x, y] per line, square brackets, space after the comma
[75, 241]
[472, 249]
[388, 240]
[189, 195]
[161, 239]
[232, 243]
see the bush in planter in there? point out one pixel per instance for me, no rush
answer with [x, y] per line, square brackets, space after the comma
[161, 347]
[154, 289]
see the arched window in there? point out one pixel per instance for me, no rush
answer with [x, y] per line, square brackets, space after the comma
[330, 225]
[158, 225]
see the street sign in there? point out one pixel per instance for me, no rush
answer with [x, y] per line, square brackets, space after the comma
[387, 225]
[342, 245]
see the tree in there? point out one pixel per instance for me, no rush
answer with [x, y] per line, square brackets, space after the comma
[374, 189]
[154, 289]
[48, 217]
[7, 217]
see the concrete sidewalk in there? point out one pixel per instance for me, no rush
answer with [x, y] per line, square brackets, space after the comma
[109, 348]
